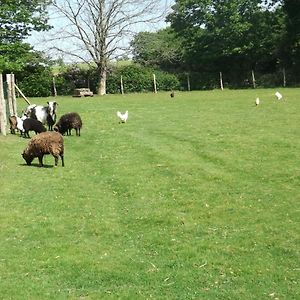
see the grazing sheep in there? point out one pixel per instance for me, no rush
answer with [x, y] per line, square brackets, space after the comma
[45, 143]
[68, 122]
[32, 125]
[44, 114]
[13, 124]
[172, 95]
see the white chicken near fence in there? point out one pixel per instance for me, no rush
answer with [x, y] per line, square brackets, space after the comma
[122, 116]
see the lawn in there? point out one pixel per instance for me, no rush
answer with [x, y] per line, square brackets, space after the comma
[195, 197]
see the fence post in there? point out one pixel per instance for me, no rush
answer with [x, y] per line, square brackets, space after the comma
[253, 79]
[154, 84]
[284, 77]
[54, 86]
[11, 94]
[2, 108]
[122, 87]
[188, 82]
[221, 81]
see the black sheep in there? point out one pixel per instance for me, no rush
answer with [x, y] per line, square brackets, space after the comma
[32, 125]
[68, 122]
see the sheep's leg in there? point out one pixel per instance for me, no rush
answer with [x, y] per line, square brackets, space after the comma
[41, 160]
[56, 160]
[62, 160]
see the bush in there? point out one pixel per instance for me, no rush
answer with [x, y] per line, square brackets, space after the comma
[140, 79]
[37, 83]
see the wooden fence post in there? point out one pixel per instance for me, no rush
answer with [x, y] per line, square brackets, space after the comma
[122, 87]
[284, 77]
[2, 108]
[154, 84]
[21, 93]
[54, 86]
[188, 82]
[253, 79]
[221, 81]
[11, 94]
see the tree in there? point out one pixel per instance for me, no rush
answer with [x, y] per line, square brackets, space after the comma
[233, 35]
[161, 49]
[100, 29]
[17, 20]
[292, 38]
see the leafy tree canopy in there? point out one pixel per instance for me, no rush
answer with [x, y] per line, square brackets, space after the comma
[18, 18]
[158, 49]
[216, 30]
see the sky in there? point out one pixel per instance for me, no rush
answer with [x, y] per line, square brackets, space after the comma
[44, 41]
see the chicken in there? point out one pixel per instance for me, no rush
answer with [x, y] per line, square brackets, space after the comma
[278, 95]
[122, 116]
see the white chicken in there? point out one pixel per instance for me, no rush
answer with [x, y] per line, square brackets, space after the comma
[257, 101]
[122, 116]
[278, 95]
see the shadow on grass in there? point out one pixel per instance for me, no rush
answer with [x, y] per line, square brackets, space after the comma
[36, 165]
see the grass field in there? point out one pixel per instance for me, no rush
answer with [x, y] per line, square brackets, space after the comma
[193, 198]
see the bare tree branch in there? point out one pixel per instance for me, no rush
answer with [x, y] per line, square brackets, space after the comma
[99, 30]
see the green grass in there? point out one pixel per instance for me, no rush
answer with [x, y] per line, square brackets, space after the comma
[193, 198]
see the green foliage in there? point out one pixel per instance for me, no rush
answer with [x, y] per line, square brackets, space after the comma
[36, 81]
[194, 197]
[161, 49]
[137, 78]
[14, 57]
[18, 18]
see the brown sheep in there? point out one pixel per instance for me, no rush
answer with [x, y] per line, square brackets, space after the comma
[45, 143]
[13, 124]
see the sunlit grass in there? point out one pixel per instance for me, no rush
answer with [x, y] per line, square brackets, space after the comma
[194, 198]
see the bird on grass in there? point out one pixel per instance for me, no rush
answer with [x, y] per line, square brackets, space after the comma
[257, 101]
[278, 95]
[122, 116]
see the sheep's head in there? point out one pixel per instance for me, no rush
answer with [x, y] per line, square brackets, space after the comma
[28, 157]
[52, 105]
[56, 128]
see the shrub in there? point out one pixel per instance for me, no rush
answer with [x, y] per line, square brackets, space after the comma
[140, 79]
[37, 83]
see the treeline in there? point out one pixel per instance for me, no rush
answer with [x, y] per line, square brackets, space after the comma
[253, 43]
[249, 43]
[39, 81]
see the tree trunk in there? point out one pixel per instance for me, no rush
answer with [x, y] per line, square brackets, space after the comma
[101, 88]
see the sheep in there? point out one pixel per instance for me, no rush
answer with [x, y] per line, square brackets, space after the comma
[20, 126]
[32, 125]
[13, 124]
[45, 143]
[67, 122]
[44, 114]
